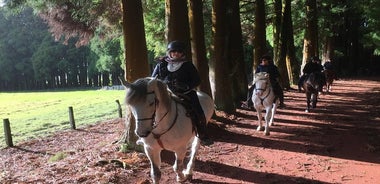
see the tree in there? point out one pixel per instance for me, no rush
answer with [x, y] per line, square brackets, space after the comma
[136, 59]
[310, 44]
[198, 44]
[20, 36]
[220, 63]
[259, 39]
[177, 23]
[236, 53]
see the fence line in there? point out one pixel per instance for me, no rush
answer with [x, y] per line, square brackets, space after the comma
[8, 133]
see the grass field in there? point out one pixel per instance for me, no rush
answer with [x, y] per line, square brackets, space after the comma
[37, 114]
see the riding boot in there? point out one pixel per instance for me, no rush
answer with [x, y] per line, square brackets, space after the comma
[299, 85]
[248, 104]
[201, 126]
[277, 90]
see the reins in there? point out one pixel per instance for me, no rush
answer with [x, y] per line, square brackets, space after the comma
[155, 123]
[265, 89]
[157, 136]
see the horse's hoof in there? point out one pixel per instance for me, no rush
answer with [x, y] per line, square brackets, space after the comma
[266, 133]
[260, 128]
[181, 179]
[306, 110]
[189, 177]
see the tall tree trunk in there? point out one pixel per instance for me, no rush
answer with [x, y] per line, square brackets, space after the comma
[291, 60]
[136, 57]
[277, 29]
[310, 43]
[177, 23]
[328, 48]
[221, 77]
[259, 39]
[198, 45]
[236, 53]
[287, 61]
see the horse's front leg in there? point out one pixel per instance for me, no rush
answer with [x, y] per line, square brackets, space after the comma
[308, 97]
[155, 164]
[259, 118]
[268, 114]
[315, 100]
[178, 164]
[193, 152]
[274, 109]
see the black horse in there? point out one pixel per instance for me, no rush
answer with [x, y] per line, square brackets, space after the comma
[330, 76]
[312, 85]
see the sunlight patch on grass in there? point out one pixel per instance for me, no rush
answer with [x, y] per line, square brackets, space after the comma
[36, 114]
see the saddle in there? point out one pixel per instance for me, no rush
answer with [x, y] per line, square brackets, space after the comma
[186, 102]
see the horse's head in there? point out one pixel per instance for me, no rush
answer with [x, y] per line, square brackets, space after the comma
[145, 97]
[261, 82]
[314, 80]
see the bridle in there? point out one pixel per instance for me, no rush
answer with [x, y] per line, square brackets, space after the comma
[263, 89]
[155, 123]
[153, 117]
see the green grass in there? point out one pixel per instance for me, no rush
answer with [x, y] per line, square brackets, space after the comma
[37, 114]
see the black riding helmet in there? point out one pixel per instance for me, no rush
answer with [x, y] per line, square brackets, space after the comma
[315, 58]
[176, 46]
[266, 57]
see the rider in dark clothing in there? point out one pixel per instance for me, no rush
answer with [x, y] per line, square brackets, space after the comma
[267, 66]
[313, 66]
[182, 78]
[328, 66]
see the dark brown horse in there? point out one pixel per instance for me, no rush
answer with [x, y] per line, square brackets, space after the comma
[312, 84]
[330, 76]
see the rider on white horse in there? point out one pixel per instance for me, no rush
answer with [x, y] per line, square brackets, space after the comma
[267, 66]
[182, 78]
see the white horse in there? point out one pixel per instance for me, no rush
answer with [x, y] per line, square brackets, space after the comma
[162, 123]
[263, 97]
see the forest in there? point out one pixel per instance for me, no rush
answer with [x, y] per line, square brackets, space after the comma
[49, 44]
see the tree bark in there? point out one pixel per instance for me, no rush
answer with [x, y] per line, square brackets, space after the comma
[236, 53]
[136, 59]
[198, 46]
[259, 39]
[310, 44]
[177, 23]
[222, 80]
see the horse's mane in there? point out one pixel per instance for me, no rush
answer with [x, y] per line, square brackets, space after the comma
[137, 91]
[164, 93]
[313, 80]
[261, 75]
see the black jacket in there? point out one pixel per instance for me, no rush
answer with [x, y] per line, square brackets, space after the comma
[312, 67]
[183, 80]
[271, 69]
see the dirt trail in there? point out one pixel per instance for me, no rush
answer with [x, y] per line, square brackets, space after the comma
[336, 143]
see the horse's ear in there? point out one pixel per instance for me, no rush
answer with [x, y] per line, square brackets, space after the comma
[124, 82]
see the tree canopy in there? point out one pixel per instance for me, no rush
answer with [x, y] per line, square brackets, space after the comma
[93, 54]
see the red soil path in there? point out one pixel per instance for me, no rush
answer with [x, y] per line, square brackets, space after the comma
[339, 142]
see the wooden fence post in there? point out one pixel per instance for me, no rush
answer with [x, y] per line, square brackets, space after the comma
[71, 116]
[7, 133]
[119, 109]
